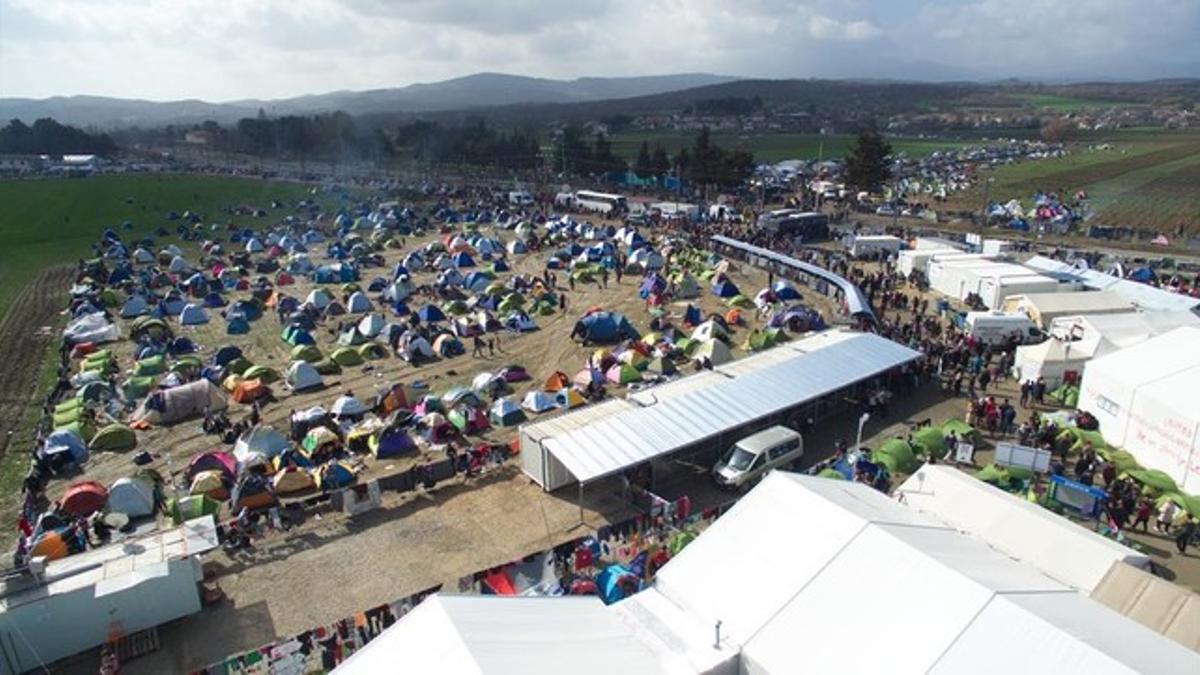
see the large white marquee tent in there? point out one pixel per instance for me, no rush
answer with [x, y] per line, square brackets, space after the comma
[1145, 400]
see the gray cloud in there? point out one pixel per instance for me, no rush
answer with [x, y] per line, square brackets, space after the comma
[274, 48]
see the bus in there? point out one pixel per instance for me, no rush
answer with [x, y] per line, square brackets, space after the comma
[794, 222]
[601, 202]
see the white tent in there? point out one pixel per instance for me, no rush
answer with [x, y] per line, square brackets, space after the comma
[864, 584]
[1145, 400]
[91, 328]
[259, 444]
[371, 325]
[178, 264]
[301, 376]
[1058, 547]
[131, 496]
[1053, 358]
[141, 255]
[319, 298]
[506, 636]
[192, 315]
[538, 401]
[347, 406]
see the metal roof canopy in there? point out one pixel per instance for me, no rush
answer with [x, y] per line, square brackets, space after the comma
[855, 300]
[631, 437]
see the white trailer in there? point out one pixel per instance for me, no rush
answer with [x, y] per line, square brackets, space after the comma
[996, 289]
[871, 245]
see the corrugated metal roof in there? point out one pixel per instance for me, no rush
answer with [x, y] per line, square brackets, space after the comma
[632, 436]
[110, 565]
[855, 300]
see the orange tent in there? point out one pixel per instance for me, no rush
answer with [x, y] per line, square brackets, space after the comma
[394, 400]
[557, 381]
[248, 391]
[84, 498]
[51, 545]
[733, 317]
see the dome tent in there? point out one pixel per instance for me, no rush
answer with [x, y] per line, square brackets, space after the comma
[131, 496]
[192, 315]
[505, 413]
[347, 406]
[358, 303]
[538, 402]
[302, 376]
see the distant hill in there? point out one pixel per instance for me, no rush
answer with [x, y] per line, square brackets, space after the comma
[480, 90]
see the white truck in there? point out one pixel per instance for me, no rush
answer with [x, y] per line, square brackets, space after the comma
[995, 328]
[520, 198]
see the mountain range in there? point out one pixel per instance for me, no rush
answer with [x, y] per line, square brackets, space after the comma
[472, 91]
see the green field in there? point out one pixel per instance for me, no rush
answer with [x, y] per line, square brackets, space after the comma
[48, 221]
[1067, 104]
[773, 147]
[1146, 179]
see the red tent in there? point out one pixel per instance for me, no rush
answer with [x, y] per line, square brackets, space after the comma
[499, 582]
[84, 498]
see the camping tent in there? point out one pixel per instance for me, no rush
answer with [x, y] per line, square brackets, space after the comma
[259, 444]
[358, 303]
[505, 413]
[193, 315]
[713, 350]
[347, 406]
[113, 438]
[538, 402]
[83, 498]
[176, 404]
[302, 376]
[132, 496]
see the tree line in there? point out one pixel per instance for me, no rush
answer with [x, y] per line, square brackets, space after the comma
[46, 136]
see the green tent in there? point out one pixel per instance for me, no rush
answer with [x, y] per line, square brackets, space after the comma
[962, 430]
[995, 475]
[307, 353]
[623, 373]
[755, 341]
[1067, 395]
[897, 455]
[1082, 437]
[346, 357]
[930, 441]
[81, 428]
[192, 506]
[68, 405]
[544, 308]
[137, 387]
[833, 474]
[1123, 461]
[327, 367]
[265, 374]
[372, 351]
[113, 438]
[238, 366]
[1153, 478]
[62, 419]
[678, 541]
[455, 308]
[152, 365]
[740, 301]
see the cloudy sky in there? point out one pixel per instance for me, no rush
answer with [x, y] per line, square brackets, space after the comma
[231, 49]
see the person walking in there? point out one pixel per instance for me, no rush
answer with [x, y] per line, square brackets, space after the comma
[1142, 515]
[477, 347]
[1186, 533]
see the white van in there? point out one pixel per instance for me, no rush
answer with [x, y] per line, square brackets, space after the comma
[752, 457]
[994, 328]
[520, 198]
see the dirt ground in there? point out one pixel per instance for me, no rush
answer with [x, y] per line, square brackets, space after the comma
[331, 565]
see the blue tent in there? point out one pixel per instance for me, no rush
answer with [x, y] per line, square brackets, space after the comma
[616, 582]
[462, 259]
[225, 354]
[247, 309]
[237, 326]
[62, 448]
[430, 313]
[500, 266]
[399, 271]
[785, 291]
[725, 289]
[393, 442]
[692, 315]
[651, 285]
[605, 327]
[1142, 274]
[182, 345]
[214, 300]
[476, 281]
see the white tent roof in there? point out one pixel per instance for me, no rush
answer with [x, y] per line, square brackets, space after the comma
[1143, 295]
[506, 635]
[1144, 398]
[1125, 330]
[1065, 551]
[861, 583]
[833, 360]
[1055, 304]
